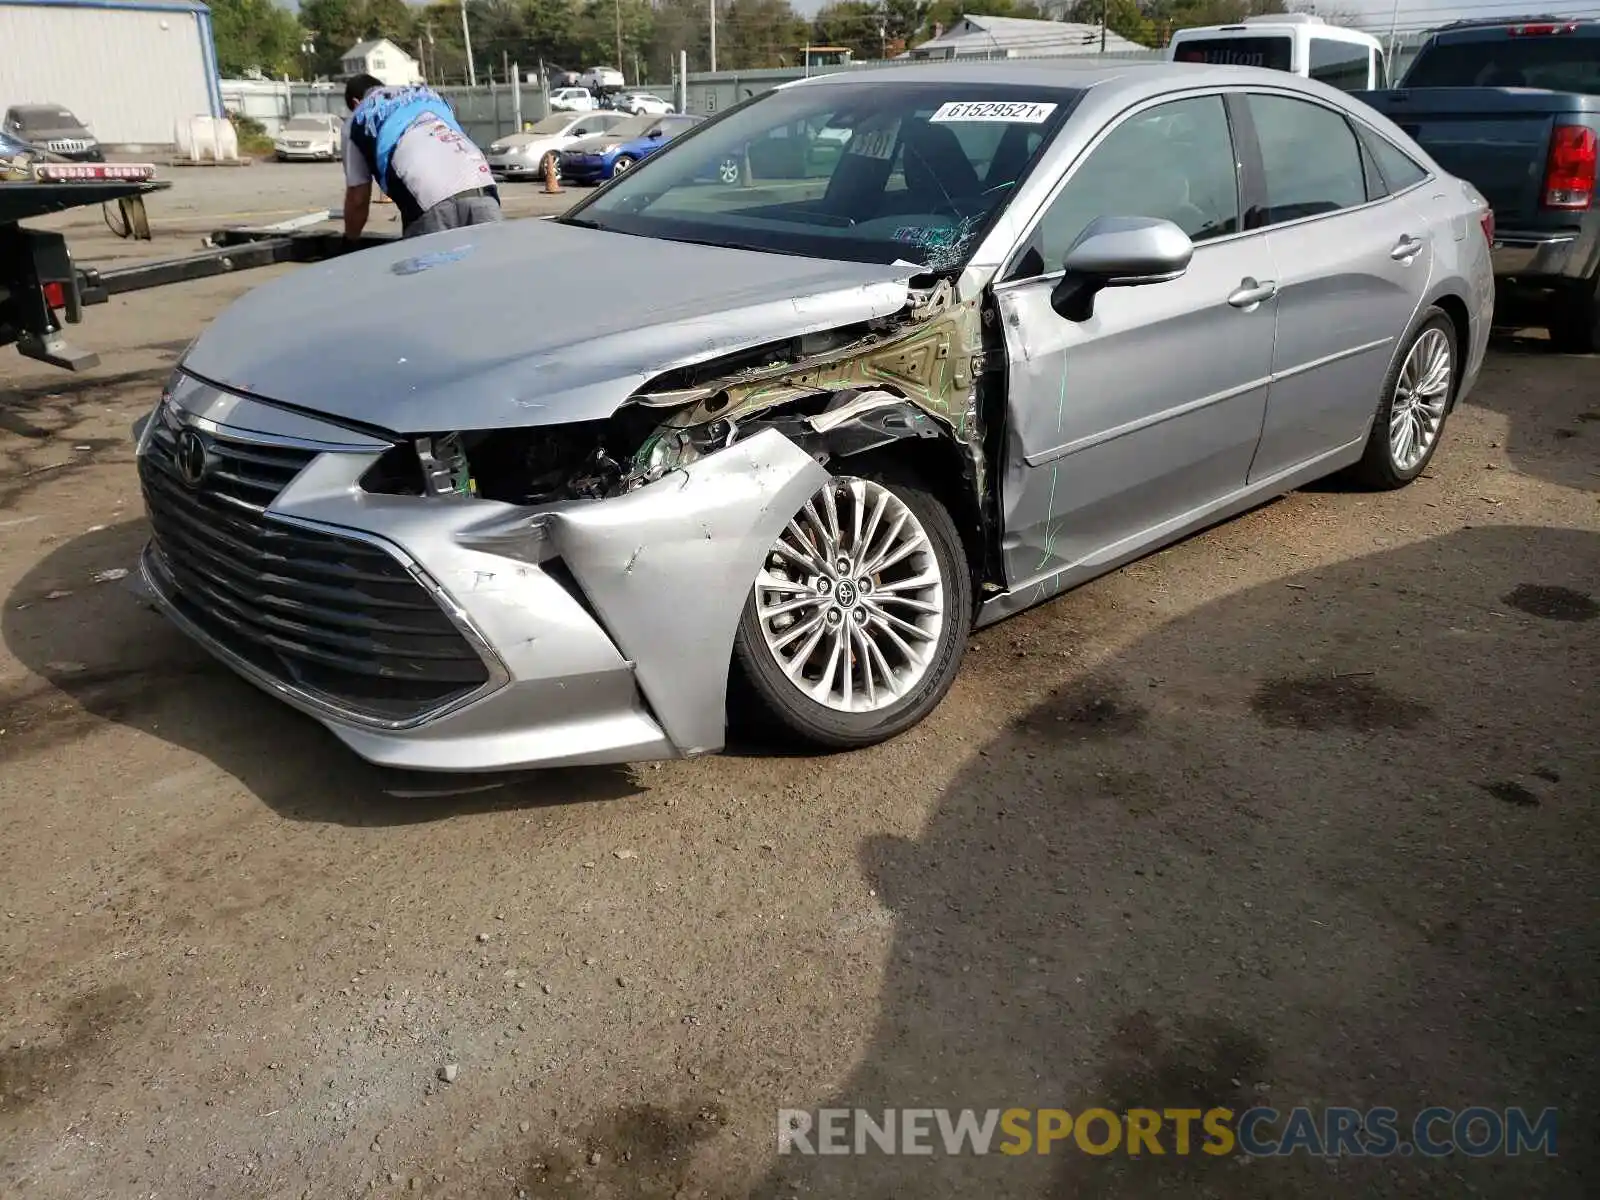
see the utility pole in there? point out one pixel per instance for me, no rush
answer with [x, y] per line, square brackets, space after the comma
[1105, 16]
[466, 36]
[618, 7]
[713, 4]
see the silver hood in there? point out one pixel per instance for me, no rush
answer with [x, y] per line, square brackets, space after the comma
[519, 323]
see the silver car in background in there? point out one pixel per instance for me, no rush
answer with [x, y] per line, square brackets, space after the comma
[798, 438]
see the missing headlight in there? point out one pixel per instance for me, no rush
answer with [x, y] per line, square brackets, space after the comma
[667, 450]
[445, 471]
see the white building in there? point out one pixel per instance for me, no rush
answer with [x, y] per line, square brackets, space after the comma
[1018, 37]
[132, 70]
[383, 60]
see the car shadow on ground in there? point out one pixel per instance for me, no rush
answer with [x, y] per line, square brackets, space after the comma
[1329, 841]
[1545, 428]
[104, 656]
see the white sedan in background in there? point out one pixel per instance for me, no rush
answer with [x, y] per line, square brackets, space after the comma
[522, 155]
[309, 137]
[642, 104]
[572, 99]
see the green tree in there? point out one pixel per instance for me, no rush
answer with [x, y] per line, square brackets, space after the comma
[336, 25]
[860, 27]
[255, 34]
[758, 33]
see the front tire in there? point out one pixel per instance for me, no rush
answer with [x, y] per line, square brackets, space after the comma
[1417, 397]
[729, 171]
[624, 161]
[854, 630]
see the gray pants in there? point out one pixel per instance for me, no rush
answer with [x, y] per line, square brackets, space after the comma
[453, 213]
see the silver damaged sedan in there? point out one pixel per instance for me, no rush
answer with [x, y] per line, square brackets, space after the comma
[955, 339]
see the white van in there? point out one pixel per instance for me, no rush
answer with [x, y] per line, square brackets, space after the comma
[1300, 43]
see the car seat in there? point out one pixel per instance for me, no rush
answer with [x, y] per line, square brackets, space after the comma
[936, 168]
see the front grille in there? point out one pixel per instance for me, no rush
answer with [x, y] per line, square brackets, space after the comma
[338, 618]
[252, 473]
[66, 146]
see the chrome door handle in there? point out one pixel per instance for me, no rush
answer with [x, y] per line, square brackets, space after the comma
[1406, 248]
[1249, 293]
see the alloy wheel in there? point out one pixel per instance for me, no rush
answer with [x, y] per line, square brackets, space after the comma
[1421, 394]
[851, 601]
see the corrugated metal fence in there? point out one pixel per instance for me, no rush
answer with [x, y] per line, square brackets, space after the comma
[484, 112]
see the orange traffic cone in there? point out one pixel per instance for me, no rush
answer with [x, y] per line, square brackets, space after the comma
[551, 186]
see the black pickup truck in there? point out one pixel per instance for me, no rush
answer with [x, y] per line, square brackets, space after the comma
[1512, 105]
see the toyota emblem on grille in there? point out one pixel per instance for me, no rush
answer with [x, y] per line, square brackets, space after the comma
[191, 457]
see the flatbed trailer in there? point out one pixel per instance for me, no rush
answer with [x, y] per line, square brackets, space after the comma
[42, 290]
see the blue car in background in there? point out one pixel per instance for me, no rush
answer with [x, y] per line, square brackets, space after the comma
[598, 159]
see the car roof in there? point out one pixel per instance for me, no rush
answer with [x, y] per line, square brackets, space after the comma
[1130, 79]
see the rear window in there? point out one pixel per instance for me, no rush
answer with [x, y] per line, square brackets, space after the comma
[1276, 53]
[1557, 62]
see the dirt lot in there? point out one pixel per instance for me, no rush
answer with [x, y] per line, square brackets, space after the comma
[1301, 811]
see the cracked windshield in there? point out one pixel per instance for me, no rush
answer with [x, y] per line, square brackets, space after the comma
[913, 173]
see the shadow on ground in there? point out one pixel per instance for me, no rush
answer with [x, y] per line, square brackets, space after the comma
[105, 657]
[1547, 424]
[1331, 841]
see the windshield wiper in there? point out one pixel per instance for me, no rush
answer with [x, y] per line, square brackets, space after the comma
[584, 222]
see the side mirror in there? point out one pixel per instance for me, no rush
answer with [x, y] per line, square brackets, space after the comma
[654, 133]
[1119, 252]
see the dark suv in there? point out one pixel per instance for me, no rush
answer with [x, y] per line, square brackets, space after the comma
[54, 130]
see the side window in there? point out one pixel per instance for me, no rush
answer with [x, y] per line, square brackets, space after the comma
[1343, 65]
[1310, 158]
[1398, 170]
[1174, 161]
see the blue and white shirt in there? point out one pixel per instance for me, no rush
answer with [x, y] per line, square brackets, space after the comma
[409, 141]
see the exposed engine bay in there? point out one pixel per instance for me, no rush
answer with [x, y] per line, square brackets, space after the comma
[838, 393]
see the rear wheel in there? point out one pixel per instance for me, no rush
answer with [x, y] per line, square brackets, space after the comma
[1412, 410]
[1575, 321]
[729, 170]
[854, 630]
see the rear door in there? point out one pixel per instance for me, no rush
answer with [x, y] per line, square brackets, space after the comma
[1352, 266]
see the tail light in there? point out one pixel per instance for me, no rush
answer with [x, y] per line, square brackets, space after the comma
[1486, 219]
[1569, 175]
[1543, 30]
[55, 295]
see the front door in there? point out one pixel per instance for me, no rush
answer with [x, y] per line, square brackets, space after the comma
[1151, 408]
[1352, 266]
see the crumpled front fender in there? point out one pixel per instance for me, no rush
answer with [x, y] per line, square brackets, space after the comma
[668, 568]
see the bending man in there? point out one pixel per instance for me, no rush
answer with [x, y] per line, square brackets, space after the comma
[409, 141]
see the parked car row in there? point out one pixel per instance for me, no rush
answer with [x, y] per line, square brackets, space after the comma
[582, 99]
[526, 155]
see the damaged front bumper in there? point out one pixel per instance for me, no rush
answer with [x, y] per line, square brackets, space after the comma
[452, 633]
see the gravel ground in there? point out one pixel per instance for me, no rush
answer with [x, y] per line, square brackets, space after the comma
[1300, 811]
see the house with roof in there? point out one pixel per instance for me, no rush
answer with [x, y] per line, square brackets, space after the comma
[383, 60]
[1018, 37]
